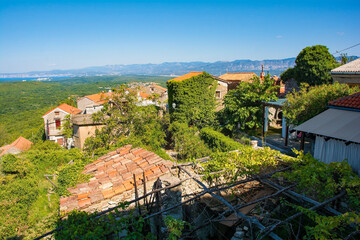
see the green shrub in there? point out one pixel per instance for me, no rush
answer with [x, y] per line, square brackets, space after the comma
[186, 141]
[218, 141]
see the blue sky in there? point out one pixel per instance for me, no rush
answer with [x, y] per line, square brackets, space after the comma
[61, 34]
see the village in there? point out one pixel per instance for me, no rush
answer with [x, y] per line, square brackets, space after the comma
[208, 157]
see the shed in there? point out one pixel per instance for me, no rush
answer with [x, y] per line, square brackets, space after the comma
[337, 131]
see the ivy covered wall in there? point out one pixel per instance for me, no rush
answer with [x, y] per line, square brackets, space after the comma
[192, 100]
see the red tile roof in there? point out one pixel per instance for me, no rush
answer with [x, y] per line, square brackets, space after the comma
[186, 76]
[113, 175]
[67, 108]
[159, 87]
[21, 144]
[100, 98]
[241, 76]
[352, 101]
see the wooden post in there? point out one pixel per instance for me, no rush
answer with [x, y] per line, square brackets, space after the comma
[145, 199]
[302, 142]
[286, 136]
[263, 130]
[136, 195]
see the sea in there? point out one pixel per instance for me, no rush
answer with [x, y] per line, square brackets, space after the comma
[25, 79]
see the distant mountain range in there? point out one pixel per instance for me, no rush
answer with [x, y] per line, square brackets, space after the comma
[274, 67]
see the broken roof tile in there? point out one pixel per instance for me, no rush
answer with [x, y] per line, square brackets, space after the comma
[113, 175]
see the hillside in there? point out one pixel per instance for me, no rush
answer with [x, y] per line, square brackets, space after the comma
[168, 68]
[23, 103]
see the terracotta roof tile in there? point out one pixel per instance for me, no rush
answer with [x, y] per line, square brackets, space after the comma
[352, 101]
[66, 108]
[21, 144]
[241, 76]
[186, 76]
[113, 175]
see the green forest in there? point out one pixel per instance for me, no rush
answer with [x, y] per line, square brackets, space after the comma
[23, 103]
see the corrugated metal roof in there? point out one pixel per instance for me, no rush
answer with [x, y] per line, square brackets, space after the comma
[334, 123]
[351, 67]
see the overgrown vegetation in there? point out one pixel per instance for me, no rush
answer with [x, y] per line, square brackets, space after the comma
[186, 141]
[243, 109]
[192, 100]
[218, 141]
[23, 103]
[28, 204]
[310, 101]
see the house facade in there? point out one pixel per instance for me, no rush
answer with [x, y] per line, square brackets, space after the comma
[54, 120]
[348, 73]
[156, 89]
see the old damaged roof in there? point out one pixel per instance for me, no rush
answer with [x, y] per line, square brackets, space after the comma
[113, 175]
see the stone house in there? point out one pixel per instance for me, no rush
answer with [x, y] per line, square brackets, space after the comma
[156, 89]
[19, 145]
[94, 102]
[233, 79]
[348, 73]
[54, 120]
[113, 179]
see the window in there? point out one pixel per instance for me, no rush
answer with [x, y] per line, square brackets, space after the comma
[57, 113]
[218, 95]
[57, 123]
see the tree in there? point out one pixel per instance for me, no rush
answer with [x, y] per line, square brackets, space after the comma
[313, 66]
[310, 101]
[243, 105]
[125, 121]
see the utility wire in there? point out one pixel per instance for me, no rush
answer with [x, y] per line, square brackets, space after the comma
[345, 49]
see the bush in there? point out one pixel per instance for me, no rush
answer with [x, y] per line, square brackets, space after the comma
[309, 102]
[187, 142]
[218, 141]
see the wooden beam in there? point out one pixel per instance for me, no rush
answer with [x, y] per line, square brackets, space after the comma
[302, 141]
[286, 136]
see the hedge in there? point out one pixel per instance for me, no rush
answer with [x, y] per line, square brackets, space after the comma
[218, 141]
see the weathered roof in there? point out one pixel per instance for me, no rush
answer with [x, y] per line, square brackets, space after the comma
[352, 101]
[22, 144]
[113, 175]
[241, 76]
[334, 123]
[144, 95]
[159, 87]
[100, 98]
[186, 76]
[66, 108]
[351, 67]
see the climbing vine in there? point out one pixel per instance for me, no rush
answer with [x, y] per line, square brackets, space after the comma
[192, 100]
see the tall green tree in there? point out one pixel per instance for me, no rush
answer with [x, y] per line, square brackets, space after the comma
[313, 66]
[243, 106]
[192, 100]
[310, 101]
[126, 121]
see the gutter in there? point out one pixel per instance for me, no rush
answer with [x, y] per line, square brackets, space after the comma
[345, 73]
[343, 108]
